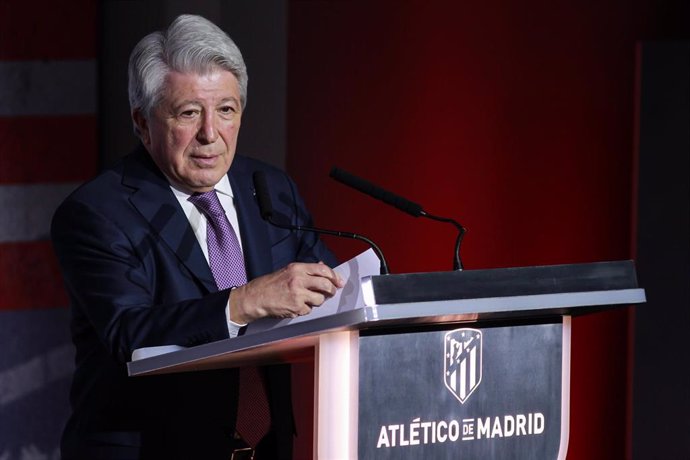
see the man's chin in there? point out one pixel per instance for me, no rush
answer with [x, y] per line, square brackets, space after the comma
[197, 184]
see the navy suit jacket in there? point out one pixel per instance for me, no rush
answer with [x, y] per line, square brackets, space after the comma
[137, 277]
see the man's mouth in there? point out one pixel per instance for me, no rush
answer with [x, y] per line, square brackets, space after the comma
[206, 160]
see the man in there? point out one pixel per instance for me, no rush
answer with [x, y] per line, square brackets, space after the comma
[146, 261]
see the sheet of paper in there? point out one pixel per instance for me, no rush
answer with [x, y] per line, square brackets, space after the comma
[347, 298]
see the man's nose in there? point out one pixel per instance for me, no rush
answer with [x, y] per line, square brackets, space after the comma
[208, 134]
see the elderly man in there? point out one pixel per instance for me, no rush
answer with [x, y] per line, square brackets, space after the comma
[168, 247]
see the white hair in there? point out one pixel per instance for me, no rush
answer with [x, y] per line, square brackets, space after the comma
[191, 44]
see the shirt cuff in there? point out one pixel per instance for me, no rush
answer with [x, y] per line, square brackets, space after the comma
[233, 327]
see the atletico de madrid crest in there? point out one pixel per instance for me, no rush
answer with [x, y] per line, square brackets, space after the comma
[463, 362]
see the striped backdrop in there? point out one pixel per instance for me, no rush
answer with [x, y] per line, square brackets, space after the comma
[48, 145]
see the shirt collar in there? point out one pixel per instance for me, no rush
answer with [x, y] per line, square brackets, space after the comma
[223, 187]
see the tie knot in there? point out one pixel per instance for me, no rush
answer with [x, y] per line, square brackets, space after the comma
[208, 203]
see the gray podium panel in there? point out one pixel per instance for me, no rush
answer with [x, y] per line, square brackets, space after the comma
[463, 392]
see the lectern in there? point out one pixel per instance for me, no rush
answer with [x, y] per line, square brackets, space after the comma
[471, 364]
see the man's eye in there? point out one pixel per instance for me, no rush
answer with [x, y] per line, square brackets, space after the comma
[228, 110]
[189, 113]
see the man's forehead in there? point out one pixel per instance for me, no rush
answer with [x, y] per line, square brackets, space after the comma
[214, 74]
[218, 83]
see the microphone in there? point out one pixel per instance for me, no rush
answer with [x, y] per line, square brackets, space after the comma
[403, 204]
[377, 192]
[266, 211]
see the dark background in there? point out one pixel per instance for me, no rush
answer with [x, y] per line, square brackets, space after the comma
[556, 131]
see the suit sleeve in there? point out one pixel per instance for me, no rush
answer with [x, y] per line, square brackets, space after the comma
[118, 288]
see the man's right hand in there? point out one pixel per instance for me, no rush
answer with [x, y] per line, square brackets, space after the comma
[289, 292]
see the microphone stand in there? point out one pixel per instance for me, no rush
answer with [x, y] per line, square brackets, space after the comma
[403, 204]
[266, 209]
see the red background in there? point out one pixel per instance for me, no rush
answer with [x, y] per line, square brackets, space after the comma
[517, 120]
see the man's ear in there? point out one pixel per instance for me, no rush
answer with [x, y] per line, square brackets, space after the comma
[142, 125]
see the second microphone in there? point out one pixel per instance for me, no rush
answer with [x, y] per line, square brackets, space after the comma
[266, 210]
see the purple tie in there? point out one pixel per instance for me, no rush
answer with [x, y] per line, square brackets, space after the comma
[224, 252]
[227, 265]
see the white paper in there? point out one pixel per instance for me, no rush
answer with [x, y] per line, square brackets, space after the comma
[348, 297]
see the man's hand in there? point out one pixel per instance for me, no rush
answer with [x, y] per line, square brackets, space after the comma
[287, 293]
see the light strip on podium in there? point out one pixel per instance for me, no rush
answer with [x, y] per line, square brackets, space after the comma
[565, 389]
[336, 401]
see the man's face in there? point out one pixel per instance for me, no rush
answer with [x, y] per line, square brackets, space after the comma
[191, 133]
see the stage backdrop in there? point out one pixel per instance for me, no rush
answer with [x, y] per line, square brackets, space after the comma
[515, 118]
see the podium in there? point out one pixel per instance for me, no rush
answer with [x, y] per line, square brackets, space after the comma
[469, 364]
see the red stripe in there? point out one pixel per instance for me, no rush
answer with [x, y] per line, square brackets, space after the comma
[48, 149]
[30, 276]
[49, 30]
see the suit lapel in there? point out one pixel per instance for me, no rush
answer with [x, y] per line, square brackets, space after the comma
[253, 230]
[155, 201]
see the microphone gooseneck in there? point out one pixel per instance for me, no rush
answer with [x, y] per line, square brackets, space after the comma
[403, 204]
[266, 211]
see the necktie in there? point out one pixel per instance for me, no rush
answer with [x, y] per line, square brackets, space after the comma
[227, 265]
[224, 251]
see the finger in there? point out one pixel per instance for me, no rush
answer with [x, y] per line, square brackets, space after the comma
[324, 286]
[324, 271]
[314, 299]
[305, 310]
[319, 284]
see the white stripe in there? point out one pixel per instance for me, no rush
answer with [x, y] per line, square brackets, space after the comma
[47, 87]
[28, 209]
[473, 367]
[463, 379]
[34, 374]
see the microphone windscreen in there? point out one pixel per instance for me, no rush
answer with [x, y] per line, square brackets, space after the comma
[377, 192]
[262, 196]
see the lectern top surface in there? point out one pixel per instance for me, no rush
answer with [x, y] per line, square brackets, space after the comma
[560, 290]
[504, 282]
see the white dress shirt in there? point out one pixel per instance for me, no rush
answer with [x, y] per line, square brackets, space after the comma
[198, 221]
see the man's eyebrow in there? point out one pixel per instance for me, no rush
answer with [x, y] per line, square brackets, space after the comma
[230, 99]
[198, 102]
[179, 104]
